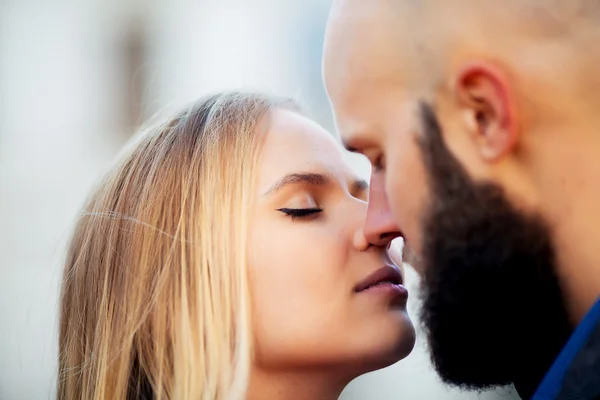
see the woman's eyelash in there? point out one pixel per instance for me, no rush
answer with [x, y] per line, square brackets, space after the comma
[300, 213]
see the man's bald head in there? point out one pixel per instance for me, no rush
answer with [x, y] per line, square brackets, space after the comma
[543, 40]
[501, 76]
[482, 118]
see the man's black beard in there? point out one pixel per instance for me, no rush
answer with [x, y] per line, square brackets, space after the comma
[492, 306]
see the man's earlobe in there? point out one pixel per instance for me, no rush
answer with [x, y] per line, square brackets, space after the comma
[487, 108]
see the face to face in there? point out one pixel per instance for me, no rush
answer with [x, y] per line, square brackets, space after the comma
[319, 292]
[371, 113]
[481, 256]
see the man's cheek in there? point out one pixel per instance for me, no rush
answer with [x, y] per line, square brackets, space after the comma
[411, 258]
[408, 203]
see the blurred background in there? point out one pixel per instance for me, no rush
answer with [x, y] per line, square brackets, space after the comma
[76, 79]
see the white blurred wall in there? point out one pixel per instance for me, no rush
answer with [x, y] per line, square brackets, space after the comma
[63, 92]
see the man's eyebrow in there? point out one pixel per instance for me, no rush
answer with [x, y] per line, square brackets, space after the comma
[300, 178]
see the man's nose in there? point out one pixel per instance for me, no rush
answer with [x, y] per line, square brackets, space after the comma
[380, 228]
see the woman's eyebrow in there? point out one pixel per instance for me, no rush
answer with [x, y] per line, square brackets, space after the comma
[300, 178]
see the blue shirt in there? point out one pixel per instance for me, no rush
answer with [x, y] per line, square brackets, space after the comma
[552, 383]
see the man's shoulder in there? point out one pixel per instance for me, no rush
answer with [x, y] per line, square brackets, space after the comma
[582, 378]
[575, 374]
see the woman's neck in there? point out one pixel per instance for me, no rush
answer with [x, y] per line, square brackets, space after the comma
[294, 385]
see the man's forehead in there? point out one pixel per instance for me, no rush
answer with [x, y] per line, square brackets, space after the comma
[365, 50]
[358, 111]
[372, 67]
[364, 127]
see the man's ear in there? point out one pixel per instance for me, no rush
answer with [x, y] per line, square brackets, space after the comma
[487, 108]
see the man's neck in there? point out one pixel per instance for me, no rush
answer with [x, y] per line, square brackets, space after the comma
[569, 184]
[294, 385]
[577, 243]
[568, 177]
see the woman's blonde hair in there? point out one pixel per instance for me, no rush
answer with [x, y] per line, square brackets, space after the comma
[154, 302]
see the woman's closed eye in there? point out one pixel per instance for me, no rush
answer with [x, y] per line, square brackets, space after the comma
[301, 213]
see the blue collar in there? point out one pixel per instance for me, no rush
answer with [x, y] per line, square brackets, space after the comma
[553, 381]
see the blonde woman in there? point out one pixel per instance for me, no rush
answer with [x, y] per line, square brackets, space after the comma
[223, 257]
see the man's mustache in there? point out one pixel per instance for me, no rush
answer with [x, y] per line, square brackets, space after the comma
[410, 257]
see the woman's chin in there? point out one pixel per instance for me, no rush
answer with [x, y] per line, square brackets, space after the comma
[375, 354]
[386, 349]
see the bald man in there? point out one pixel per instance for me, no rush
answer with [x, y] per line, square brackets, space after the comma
[482, 123]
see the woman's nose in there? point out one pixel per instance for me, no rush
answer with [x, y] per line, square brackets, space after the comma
[360, 241]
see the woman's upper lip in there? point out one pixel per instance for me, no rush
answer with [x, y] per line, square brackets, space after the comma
[386, 273]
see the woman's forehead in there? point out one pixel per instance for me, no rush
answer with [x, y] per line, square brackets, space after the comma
[295, 144]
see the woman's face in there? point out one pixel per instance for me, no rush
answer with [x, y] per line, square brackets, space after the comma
[309, 261]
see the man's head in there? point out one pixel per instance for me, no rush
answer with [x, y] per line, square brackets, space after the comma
[479, 118]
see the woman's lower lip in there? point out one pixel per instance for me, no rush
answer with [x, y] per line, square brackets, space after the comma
[390, 289]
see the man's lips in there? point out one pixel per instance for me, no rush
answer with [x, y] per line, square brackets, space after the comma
[388, 274]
